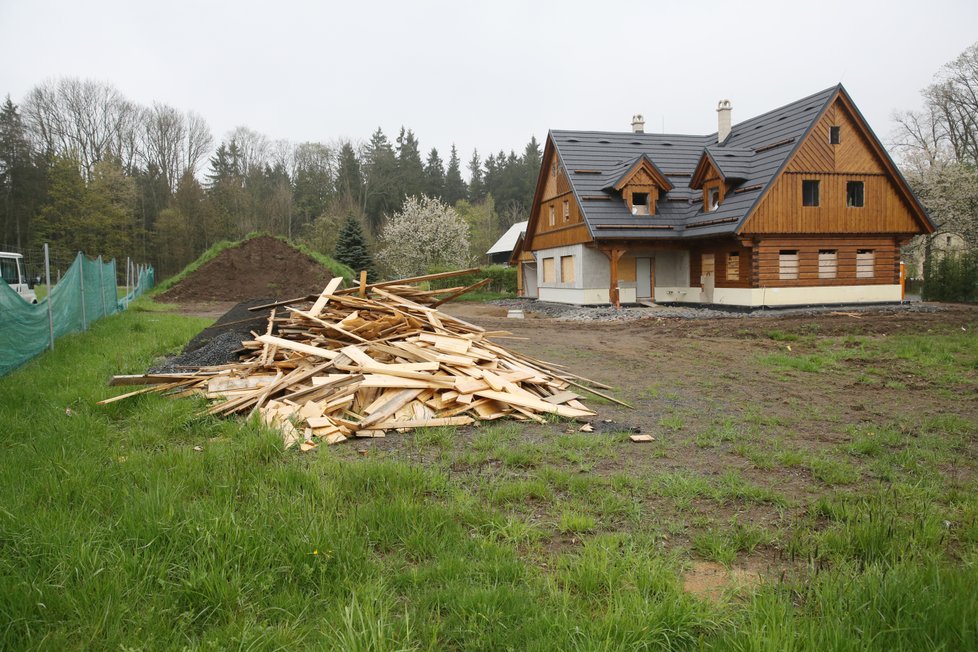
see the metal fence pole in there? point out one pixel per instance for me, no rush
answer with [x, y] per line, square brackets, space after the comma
[47, 274]
[101, 283]
[81, 268]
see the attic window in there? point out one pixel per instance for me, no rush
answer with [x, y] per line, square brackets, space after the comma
[809, 192]
[835, 135]
[713, 201]
[640, 203]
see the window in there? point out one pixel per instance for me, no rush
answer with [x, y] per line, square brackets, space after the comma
[548, 270]
[835, 135]
[553, 219]
[8, 268]
[566, 269]
[788, 264]
[640, 203]
[828, 263]
[854, 194]
[865, 263]
[809, 193]
[566, 210]
[733, 266]
[713, 200]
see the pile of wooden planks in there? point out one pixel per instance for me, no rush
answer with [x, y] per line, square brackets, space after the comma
[361, 364]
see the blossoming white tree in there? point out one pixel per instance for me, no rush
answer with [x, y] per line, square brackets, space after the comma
[423, 234]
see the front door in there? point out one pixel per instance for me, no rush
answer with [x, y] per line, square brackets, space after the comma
[708, 277]
[643, 278]
[530, 280]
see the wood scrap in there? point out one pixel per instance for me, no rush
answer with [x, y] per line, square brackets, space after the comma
[371, 359]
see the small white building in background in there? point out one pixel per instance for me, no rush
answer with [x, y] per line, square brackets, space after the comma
[500, 252]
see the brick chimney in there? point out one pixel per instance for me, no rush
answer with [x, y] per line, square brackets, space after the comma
[724, 109]
[638, 124]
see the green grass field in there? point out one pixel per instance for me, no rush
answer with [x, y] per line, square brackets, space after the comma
[117, 533]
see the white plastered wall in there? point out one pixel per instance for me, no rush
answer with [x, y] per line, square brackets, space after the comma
[592, 269]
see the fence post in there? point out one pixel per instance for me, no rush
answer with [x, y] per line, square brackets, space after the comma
[101, 283]
[47, 274]
[81, 268]
[127, 281]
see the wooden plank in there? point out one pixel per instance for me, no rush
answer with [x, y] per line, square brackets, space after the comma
[323, 299]
[426, 423]
[283, 343]
[534, 404]
[397, 401]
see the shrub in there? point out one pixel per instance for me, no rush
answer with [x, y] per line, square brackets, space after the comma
[954, 277]
[503, 278]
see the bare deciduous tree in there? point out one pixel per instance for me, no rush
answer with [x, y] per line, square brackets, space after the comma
[88, 120]
[938, 147]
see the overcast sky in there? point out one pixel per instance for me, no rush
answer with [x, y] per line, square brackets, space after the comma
[488, 74]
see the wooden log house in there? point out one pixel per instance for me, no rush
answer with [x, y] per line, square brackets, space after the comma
[799, 206]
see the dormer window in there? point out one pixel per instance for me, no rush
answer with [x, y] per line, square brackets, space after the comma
[640, 203]
[713, 200]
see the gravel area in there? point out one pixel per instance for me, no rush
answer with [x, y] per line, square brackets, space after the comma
[562, 311]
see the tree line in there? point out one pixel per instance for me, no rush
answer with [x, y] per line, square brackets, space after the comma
[85, 169]
[937, 146]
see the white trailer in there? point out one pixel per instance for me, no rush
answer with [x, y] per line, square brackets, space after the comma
[12, 270]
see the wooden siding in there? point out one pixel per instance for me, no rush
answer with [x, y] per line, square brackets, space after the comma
[765, 271]
[560, 237]
[885, 210]
[720, 250]
[556, 191]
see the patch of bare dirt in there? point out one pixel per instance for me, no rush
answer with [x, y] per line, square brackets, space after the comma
[259, 267]
[710, 580]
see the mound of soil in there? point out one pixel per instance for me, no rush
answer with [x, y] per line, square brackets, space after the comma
[260, 267]
[220, 342]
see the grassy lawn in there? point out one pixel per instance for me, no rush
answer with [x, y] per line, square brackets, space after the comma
[139, 525]
[42, 291]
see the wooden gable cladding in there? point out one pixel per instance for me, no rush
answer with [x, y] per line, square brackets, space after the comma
[854, 153]
[557, 183]
[554, 193]
[888, 206]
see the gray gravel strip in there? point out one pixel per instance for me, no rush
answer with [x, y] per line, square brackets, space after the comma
[569, 312]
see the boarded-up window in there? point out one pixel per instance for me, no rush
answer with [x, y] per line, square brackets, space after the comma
[865, 263]
[733, 266]
[548, 270]
[566, 269]
[828, 263]
[566, 210]
[552, 220]
[788, 264]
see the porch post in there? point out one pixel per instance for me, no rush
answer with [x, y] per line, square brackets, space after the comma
[614, 255]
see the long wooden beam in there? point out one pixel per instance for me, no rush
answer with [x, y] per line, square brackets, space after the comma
[402, 281]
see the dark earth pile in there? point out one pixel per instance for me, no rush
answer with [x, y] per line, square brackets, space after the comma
[260, 267]
[220, 342]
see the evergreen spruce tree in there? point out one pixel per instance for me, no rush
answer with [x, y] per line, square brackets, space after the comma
[455, 188]
[434, 174]
[477, 188]
[351, 247]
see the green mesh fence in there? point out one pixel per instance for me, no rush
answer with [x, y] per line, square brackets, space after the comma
[85, 294]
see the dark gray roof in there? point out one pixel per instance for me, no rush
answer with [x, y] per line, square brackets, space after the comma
[750, 157]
